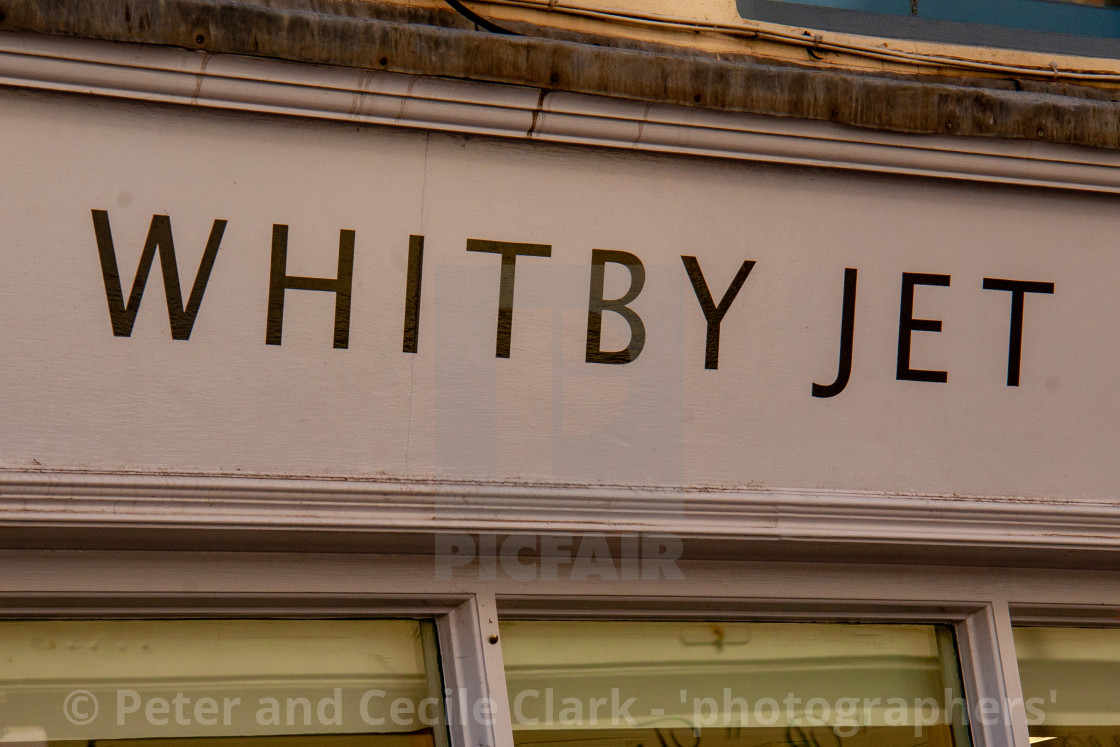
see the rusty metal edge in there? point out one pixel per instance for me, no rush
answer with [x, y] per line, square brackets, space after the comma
[354, 40]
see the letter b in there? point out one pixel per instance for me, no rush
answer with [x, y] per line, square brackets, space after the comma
[596, 304]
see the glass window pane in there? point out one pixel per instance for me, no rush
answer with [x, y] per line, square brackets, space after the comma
[1071, 685]
[690, 684]
[237, 683]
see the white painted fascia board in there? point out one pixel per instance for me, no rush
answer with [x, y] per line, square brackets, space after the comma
[116, 500]
[87, 500]
[175, 76]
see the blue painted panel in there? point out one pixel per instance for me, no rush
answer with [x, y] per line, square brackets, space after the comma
[1043, 25]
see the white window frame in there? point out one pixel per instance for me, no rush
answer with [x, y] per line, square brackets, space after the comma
[464, 662]
[980, 640]
[190, 584]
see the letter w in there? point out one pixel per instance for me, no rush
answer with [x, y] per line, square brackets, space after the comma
[159, 237]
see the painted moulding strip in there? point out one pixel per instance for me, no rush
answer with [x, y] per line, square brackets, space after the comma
[271, 503]
[229, 82]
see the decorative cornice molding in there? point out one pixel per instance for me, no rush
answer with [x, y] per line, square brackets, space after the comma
[428, 506]
[174, 76]
[1023, 105]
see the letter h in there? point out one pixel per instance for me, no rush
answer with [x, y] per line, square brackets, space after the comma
[279, 281]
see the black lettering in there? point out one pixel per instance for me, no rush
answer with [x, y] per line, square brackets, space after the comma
[712, 313]
[279, 281]
[509, 252]
[596, 305]
[159, 237]
[412, 294]
[847, 332]
[907, 324]
[1018, 290]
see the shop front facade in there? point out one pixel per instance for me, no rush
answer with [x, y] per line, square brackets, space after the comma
[395, 402]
